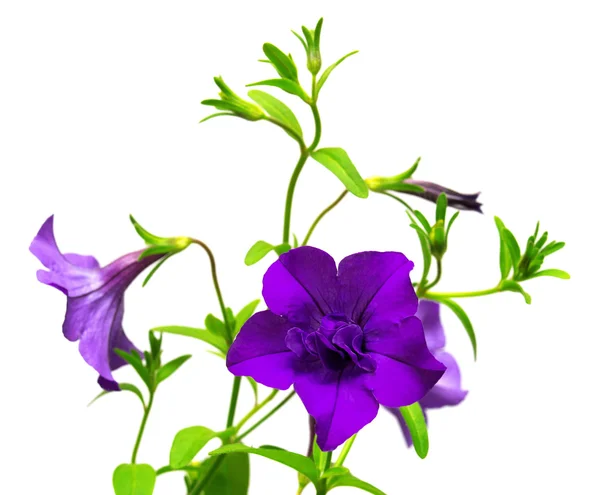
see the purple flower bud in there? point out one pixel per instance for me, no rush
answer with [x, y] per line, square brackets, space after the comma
[456, 200]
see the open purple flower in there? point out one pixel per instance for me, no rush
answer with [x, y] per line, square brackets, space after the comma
[447, 391]
[346, 338]
[94, 300]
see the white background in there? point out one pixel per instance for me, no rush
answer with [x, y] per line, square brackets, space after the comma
[99, 119]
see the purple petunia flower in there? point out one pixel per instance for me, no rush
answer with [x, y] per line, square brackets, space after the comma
[447, 391]
[94, 300]
[346, 338]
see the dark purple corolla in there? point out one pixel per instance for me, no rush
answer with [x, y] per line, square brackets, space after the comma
[94, 300]
[346, 338]
[447, 391]
[432, 191]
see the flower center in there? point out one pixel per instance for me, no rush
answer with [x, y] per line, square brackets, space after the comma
[336, 343]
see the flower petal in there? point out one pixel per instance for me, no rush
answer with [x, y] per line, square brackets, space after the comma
[301, 285]
[82, 261]
[375, 287]
[429, 314]
[396, 384]
[339, 402]
[447, 391]
[260, 351]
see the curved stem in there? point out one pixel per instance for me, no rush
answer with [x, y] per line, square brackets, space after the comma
[345, 450]
[393, 196]
[256, 409]
[448, 295]
[438, 276]
[267, 416]
[138, 440]
[321, 215]
[287, 216]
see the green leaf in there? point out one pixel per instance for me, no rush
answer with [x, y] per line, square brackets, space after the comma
[171, 367]
[505, 259]
[282, 248]
[283, 64]
[196, 333]
[245, 313]
[329, 69]
[552, 247]
[136, 362]
[335, 471]
[423, 220]
[231, 478]
[276, 109]
[155, 269]
[513, 248]
[464, 319]
[134, 479]
[337, 161]
[415, 420]
[408, 188]
[512, 286]
[218, 114]
[440, 207]
[454, 217]
[187, 443]
[154, 250]
[128, 387]
[148, 238]
[426, 255]
[349, 480]
[287, 85]
[257, 252]
[215, 326]
[319, 457]
[298, 462]
[552, 272]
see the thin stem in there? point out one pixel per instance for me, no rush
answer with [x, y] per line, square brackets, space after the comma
[400, 200]
[448, 295]
[438, 276]
[328, 457]
[138, 440]
[321, 215]
[200, 486]
[235, 392]
[287, 216]
[255, 409]
[267, 416]
[213, 270]
[345, 450]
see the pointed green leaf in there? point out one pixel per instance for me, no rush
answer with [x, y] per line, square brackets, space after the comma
[218, 114]
[283, 64]
[552, 247]
[505, 259]
[134, 479]
[187, 443]
[148, 238]
[409, 188]
[154, 250]
[337, 161]
[349, 480]
[319, 457]
[440, 207]
[415, 420]
[298, 462]
[155, 269]
[426, 250]
[513, 248]
[454, 217]
[423, 220]
[301, 40]
[329, 69]
[245, 313]
[512, 286]
[171, 367]
[257, 252]
[196, 333]
[135, 361]
[552, 272]
[276, 109]
[286, 85]
[215, 326]
[335, 471]
[462, 316]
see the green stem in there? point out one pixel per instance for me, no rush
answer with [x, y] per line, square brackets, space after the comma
[390, 195]
[256, 409]
[321, 215]
[235, 392]
[345, 450]
[199, 486]
[267, 416]
[138, 440]
[287, 216]
[328, 457]
[449, 295]
[438, 276]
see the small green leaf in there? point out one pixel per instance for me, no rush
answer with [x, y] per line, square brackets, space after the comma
[415, 420]
[505, 259]
[408, 188]
[295, 241]
[128, 387]
[552, 272]
[257, 252]
[286, 85]
[171, 367]
[134, 479]
[215, 326]
[196, 333]
[277, 109]
[218, 114]
[423, 220]
[337, 161]
[512, 286]
[245, 313]
[298, 462]
[187, 443]
[513, 248]
[335, 471]
[552, 247]
[148, 238]
[136, 362]
[349, 480]
[154, 250]
[462, 316]
[283, 64]
[319, 457]
[282, 248]
[329, 69]
[155, 269]
[454, 217]
[440, 207]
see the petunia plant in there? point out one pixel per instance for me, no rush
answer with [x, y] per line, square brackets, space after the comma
[345, 338]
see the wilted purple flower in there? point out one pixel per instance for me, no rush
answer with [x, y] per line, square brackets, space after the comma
[447, 391]
[94, 300]
[455, 199]
[346, 338]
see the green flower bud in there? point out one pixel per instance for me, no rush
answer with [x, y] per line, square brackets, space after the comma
[232, 104]
[437, 239]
